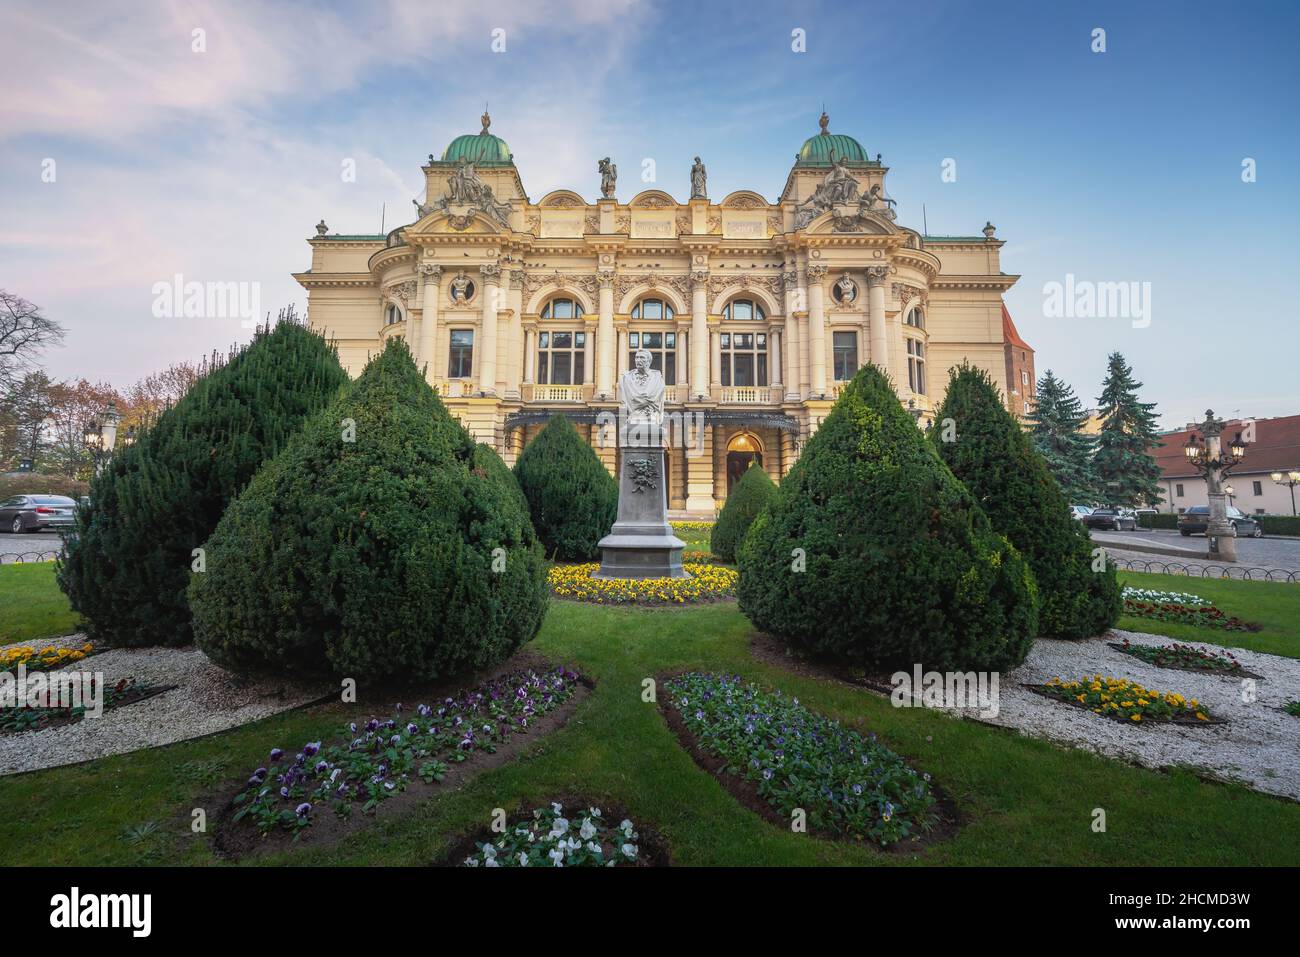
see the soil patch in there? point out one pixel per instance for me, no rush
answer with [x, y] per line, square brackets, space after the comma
[1237, 671]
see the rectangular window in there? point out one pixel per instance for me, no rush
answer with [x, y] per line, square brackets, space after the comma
[744, 358]
[846, 355]
[916, 366]
[461, 360]
[1260, 511]
[1257, 487]
[1178, 490]
[561, 358]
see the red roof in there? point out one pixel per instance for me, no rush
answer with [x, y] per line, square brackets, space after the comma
[1009, 333]
[1276, 448]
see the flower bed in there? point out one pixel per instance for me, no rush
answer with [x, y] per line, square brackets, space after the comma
[39, 717]
[1182, 608]
[46, 659]
[707, 583]
[549, 838]
[848, 785]
[692, 526]
[1122, 699]
[1186, 658]
[378, 758]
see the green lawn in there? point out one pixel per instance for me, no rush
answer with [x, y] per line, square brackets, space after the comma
[1025, 801]
[695, 538]
[1275, 605]
[31, 605]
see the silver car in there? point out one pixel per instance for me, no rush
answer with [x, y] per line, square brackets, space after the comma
[31, 513]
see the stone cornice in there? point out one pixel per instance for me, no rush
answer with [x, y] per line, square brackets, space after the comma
[358, 279]
[1000, 282]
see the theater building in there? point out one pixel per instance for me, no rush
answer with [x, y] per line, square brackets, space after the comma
[756, 312]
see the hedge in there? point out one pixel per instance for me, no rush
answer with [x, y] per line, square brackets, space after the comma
[873, 553]
[382, 543]
[993, 456]
[572, 498]
[127, 563]
[754, 490]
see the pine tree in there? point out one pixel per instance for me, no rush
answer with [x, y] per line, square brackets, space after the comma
[993, 456]
[1056, 421]
[1126, 471]
[746, 501]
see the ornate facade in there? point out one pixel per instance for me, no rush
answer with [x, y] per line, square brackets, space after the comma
[755, 312]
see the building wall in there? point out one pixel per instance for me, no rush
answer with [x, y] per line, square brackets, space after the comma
[1272, 499]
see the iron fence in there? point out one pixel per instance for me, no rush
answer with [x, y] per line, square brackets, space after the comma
[1209, 570]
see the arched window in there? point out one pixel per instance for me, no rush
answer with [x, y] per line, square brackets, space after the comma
[744, 310]
[562, 309]
[392, 314]
[915, 318]
[652, 309]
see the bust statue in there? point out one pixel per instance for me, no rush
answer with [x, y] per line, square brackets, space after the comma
[642, 394]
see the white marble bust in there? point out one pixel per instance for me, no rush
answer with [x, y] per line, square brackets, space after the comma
[642, 393]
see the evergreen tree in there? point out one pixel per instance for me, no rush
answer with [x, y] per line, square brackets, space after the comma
[1056, 429]
[873, 553]
[995, 459]
[1126, 471]
[754, 490]
[571, 496]
[404, 551]
[127, 563]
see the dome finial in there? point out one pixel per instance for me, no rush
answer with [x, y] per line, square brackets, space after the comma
[485, 120]
[824, 123]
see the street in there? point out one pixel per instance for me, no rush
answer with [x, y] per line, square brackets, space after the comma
[1251, 552]
[34, 546]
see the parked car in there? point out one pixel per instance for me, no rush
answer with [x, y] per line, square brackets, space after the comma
[1115, 519]
[1196, 519]
[1080, 511]
[31, 513]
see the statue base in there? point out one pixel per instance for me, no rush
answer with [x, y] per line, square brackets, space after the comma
[641, 544]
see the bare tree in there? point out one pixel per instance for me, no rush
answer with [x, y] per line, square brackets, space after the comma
[24, 332]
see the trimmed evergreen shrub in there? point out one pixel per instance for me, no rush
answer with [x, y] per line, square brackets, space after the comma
[996, 460]
[754, 490]
[127, 563]
[381, 543]
[871, 551]
[572, 497]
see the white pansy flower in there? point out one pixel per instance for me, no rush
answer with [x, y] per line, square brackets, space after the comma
[557, 856]
[588, 830]
[556, 808]
[523, 859]
[471, 862]
[629, 850]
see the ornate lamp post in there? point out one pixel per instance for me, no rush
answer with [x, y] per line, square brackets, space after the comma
[101, 435]
[1214, 462]
[1289, 479]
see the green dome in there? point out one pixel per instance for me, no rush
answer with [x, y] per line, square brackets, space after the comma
[481, 149]
[816, 150]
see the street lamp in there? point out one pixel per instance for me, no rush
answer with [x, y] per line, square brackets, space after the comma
[101, 435]
[1290, 479]
[1210, 459]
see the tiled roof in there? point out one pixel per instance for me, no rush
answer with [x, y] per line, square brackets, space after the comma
[1009, 333]
[1276, 448]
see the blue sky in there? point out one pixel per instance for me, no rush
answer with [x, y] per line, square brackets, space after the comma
[1115, 166]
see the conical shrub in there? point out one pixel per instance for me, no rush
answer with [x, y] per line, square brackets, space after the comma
[872, 553]
[995, 459]
[745, 501]
[381, 543]
[571, 496]
[126, 565]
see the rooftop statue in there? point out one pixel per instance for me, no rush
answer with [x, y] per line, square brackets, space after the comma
[608, 177]
[699, 178]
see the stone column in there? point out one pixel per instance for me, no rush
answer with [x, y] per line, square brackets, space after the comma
[719, 464]
[588, 371]
[622, 351]
[487, 367]
[876, 276]
[530, 354]
[605, 345]
[715, 346]
[774, 356]
[431, 274]
[699, 333]
[817, 327]
[515, 335]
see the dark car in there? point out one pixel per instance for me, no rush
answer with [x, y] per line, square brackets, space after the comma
[1196, 519]
[31, 513]
[1116, 519]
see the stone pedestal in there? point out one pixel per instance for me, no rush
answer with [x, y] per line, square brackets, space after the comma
[641, 544]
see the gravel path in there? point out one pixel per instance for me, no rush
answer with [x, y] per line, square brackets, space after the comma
[1259, 746]
[207, 699]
